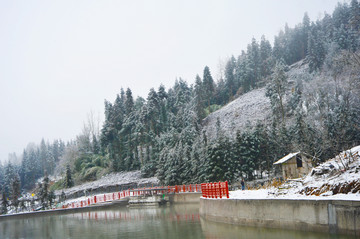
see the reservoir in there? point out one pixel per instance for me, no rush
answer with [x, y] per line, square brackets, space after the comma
[176, 221]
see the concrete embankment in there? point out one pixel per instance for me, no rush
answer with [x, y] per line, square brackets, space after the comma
[334, 216]
[100, 206]
[173, 198]
[185, 198]
[178, 198]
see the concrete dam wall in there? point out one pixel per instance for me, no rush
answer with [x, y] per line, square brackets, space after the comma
[334, 216]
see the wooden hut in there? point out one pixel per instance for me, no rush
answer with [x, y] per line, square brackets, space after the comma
[294, 165]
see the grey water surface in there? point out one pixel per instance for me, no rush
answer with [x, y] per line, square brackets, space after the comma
[178, 221]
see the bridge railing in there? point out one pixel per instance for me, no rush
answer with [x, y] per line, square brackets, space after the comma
[108, 197]
[185, 188]
[215, 190]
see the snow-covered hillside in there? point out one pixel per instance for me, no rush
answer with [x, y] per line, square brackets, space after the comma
[247, 109]
[253, 106]
[338, 178]
[125, 179]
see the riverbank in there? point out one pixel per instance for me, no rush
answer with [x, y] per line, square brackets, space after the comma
[326, 200]
[333, 216]
[177, 198]
[62, 211]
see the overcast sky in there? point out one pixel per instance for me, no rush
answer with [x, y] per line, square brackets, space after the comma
[60, 59]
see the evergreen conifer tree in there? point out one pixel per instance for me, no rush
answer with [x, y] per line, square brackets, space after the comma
[208, 86]
[68, 178]
[199, 98]
[15, 191]
[4, 203]
[276, 91]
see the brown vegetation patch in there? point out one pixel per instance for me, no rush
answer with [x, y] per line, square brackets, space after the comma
[344, 188]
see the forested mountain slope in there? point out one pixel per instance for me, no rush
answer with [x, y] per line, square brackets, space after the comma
[301, 93]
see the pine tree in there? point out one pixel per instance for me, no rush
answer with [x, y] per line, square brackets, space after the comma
[68, 178]
[265, 57]
[305, 35]
[153, 111]
[242, 73]
[129, 102]
[45, 191]
[163, 122]
[254, 62]
[316, 48]
[245, 147]
[56, 151]
[51, 197]
[15, 191]
[4, 203]
[230, 78]
[276, 91]
[296, 101]
[1, 177]
[43, 155]
[95, 145]
[208, 86]
[222, 165]
[354, 25]
[8, 177]
[199, 98]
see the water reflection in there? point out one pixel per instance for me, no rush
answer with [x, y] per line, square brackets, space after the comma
[213, 230]
[179, 221]
[136, 215]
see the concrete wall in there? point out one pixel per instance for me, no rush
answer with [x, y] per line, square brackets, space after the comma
[63, 211]
[316, 215]
[185, 198]
[178, 198]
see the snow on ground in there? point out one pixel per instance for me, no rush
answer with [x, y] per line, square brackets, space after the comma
[112, 179]
[336, 179]
[270, 194]
[247, 109]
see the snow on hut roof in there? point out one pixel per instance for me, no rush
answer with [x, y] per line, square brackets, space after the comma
[286, 158]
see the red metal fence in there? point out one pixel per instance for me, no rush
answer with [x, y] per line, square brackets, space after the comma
[215, 190]
[108, 197]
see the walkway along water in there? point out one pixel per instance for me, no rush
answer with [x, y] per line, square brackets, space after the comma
[329, 216]
[139, 196]
[136, 196]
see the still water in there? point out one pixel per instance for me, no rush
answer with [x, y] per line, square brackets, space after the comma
[179, 221]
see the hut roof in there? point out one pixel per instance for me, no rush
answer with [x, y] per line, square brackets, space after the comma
[286, 158]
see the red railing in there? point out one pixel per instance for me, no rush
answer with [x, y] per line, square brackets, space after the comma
[103, 198]
[215, 190]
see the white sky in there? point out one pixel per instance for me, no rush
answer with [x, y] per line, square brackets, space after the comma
[60, 59]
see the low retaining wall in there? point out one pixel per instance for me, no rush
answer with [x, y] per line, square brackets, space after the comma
[177, 198]
[63, 211]
[332, 216]
[185, 198]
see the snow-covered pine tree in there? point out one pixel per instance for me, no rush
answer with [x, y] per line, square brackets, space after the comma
[9, 177]
[265, 57]
[253, 63]
[276, 91]
[208, 86]
[68, 182]
[15, 191]
[4, 202]
[199, 90]
[230, 78]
